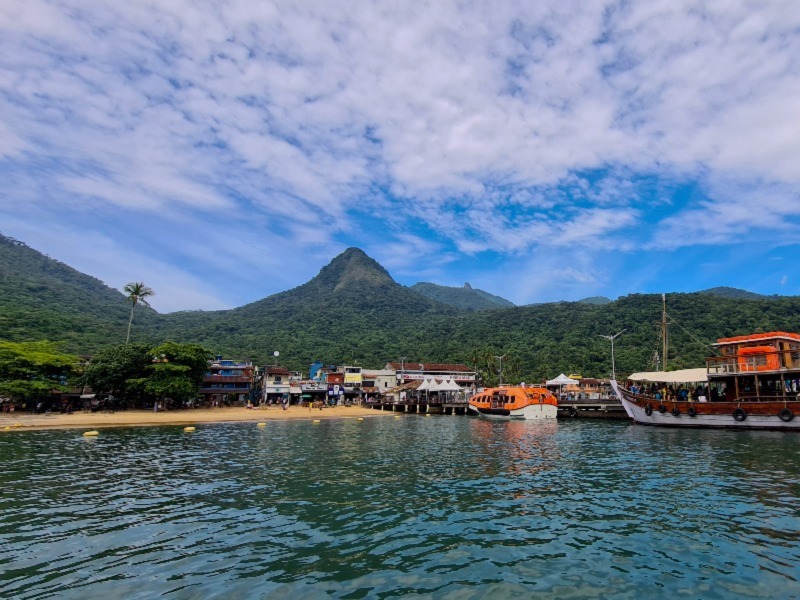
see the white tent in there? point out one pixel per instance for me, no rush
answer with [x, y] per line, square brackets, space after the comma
[440, 387]
[425, 385]
[562, 380]
[680, 376]
[452, 386]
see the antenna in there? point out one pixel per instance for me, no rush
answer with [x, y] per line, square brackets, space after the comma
[664, 335]
[612, 338]
[500, 358]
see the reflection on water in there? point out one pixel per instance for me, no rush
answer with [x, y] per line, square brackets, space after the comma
[442, 507]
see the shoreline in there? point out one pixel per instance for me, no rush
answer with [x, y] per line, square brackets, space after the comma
[19, 421]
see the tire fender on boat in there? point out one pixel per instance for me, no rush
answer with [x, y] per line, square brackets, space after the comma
[648, 410]
[662, 409]
[692, 411]
[786, 415]
[739, 414]
[675, 411]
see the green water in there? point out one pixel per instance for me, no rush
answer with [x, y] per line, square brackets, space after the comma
[440, 507]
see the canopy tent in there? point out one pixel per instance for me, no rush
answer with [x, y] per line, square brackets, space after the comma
[680, 376]
[426, 385]
[450, 386]
[562, 380]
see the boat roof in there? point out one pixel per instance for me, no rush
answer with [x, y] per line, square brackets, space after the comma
[679, 376]
[758, 337]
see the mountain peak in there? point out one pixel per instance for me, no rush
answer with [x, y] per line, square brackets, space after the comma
[352, 265]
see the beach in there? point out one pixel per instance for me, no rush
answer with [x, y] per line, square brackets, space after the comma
[134, 418]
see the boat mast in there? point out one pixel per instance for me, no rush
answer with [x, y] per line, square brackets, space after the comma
[664, 339]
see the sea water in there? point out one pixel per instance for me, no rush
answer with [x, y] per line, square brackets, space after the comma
[442, 507]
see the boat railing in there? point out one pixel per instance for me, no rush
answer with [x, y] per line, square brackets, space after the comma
[744, 396]
[754, 363]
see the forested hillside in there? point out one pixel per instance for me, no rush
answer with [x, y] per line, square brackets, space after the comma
[354, 312]
[465, 297]
[41, 298]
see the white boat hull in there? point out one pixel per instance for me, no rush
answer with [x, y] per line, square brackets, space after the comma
[718, 420]
[531, 412]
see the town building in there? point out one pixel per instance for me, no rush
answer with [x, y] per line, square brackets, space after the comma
[376, 382]
[228, 382]
[276, 384]
[411, 371]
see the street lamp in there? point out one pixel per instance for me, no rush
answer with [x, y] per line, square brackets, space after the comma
[500, 358]
[612, 338]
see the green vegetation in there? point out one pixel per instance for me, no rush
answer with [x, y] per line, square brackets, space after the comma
[138, 373]
[41, 298]
[32, 370]
[596, 300]
[465, 297]
[138, 293]
[354, 313]
[729, 292]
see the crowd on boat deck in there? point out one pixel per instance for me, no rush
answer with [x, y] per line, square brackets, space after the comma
[715, 392]
[681, 393]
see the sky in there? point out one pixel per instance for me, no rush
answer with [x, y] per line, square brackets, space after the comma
[221, 152]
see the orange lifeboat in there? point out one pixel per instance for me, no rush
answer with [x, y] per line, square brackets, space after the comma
[515, 403]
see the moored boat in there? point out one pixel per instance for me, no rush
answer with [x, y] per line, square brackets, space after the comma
[515, 402]
[754, 383]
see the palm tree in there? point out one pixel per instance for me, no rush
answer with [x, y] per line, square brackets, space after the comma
[137, 292]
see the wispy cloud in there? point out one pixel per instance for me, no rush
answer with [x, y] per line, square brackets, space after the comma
[462, 128]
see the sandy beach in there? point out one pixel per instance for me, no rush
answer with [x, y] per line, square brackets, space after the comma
[133, 418]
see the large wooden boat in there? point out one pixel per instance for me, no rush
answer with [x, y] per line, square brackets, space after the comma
[754, 383]
[510, 402]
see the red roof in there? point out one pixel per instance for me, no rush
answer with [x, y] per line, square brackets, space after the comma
[277, 371]
[755, 337]
[412, 366]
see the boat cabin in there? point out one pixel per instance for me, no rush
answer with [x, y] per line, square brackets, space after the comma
[758, 352]
[760, 366]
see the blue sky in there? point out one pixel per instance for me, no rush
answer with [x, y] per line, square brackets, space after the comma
[223, 152]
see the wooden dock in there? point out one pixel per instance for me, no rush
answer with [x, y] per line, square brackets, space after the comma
[607, 408]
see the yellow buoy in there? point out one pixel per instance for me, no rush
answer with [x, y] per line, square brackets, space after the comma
[397, 416]
[315, 421]
[427, 414]
[8, 428]
[18, 425]
[90, 433]
[188, 429]
[360, 418]
[261, 425]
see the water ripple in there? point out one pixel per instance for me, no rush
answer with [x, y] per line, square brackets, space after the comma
[444, 507]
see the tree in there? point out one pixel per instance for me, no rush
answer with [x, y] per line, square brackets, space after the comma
[137, 292]
[29, 370]
[177, 370]
[122, 370]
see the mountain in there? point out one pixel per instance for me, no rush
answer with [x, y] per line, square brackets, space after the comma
[351, 308]
[353, 312]
[465, 297]
[43, 298]
[735, 293]
[596, 300]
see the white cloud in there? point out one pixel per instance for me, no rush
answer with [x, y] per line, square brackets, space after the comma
[528, 126]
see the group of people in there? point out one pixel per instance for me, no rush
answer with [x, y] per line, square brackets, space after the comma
[681, 393]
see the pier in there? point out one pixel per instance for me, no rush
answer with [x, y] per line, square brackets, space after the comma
[605, 408]
[423, 406]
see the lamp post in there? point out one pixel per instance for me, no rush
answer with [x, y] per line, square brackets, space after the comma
[500, 358]
[612, 338]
